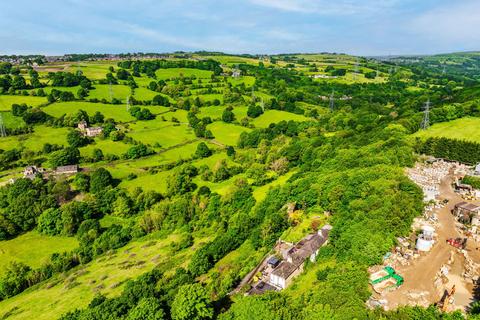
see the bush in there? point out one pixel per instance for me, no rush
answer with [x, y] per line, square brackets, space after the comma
[50, 222]
[203, 151]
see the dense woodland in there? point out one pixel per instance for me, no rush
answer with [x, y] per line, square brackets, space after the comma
[347, 162]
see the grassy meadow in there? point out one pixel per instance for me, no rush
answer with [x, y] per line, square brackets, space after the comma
[106, 275]
[6, 101]
[463, 129]
[33, 249]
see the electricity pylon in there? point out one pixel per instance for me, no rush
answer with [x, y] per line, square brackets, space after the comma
[332, 100]
[426, 116]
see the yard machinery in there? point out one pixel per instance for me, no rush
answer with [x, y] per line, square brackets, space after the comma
[447, 299]
[385, 279]
[459, 243]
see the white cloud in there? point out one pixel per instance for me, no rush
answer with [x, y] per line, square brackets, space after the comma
[457, 24]
[328, 7]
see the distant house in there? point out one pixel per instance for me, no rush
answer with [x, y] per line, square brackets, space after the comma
[71, 169]
[236, 73]
[295, 257]
[89, 131]
[31, 172]
[284, 274]
[466, 212]
[82, 125]
[93, 131]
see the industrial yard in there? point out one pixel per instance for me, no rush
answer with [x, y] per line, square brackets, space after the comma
[439, 263]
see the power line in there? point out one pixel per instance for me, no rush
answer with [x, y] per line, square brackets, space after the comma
[356, 69]
[3, 132]
[426, 116]
[332, 100]
[128, 103]
[110, 90]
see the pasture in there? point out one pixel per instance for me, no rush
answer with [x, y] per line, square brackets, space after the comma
[92, 70]
[120, 169]
[107, 146]
[6, 101]
[33, 249]
[171, 73]
[275, 116]
[10, 121]
[226, 133]
[165, 133]
[467, 128]
[116, 112]
[35, 141]
[102, 91]
[106, 275]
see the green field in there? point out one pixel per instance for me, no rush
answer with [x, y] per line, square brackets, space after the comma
[92, 70]
[33, 249]
[116, 112]
[275, 116]
[216, 112]
[165, 133]
[63, 293]
[171, 73]
[7, 101]
[107, 146]
[261, 192]
[10, 121]
[144, 94]
[226, 133]
[464, 129]
[121, 169]
[35, 141]
[102, 91]
[73, 90]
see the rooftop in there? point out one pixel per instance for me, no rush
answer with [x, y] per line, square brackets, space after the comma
[467, 206]
[284, 270]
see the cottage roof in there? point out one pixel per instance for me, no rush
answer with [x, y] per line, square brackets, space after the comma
[73, 167]
[284, 270]
[94, 128]
[467, 206]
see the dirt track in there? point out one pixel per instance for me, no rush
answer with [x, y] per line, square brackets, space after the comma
[420, 274]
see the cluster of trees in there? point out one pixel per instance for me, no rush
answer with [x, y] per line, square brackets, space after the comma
[57, 95]
[473, 181]
[21, 203]
[141, 113]
[160, 100]
[30, 115]
[138, 151]
[154, 295]
[200, 125]
[44, 204]
[254, 111]
[68, 79]
[150, 66]
[253, 138]
[451, 149]
[336, 72]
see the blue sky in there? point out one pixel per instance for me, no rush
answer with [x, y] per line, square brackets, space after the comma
[367, 27]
